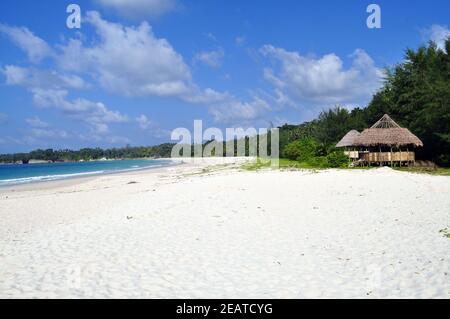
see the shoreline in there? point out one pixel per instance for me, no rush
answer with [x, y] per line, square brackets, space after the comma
[85, 175]
[33, 162]
[188, 163]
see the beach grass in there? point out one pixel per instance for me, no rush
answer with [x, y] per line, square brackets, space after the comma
[445, 232]
[285, 163]
[256, 165]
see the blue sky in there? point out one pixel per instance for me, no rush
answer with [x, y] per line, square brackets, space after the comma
[138, 69]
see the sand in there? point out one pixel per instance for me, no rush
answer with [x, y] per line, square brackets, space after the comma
[204, 230]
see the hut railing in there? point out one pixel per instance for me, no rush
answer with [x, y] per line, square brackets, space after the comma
[388, 156]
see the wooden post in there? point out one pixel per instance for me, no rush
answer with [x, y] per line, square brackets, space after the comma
[407, 150]
[379, 156]
[392, 162]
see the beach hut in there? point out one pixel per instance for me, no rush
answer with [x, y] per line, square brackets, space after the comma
[387, 143]
[347, 143]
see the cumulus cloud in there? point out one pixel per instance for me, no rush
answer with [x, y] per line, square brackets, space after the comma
[36, 48]
[438, 34]
[40, 129]
[227, 108]
[140, 8]
[96, 114]
[32, 77]
[211, 58]
[152, 67]
[128, 60]
[322, 80]
[148, 125]
[49, 89]
[232, 109]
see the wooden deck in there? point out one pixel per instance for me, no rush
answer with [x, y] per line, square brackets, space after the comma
[388, 157]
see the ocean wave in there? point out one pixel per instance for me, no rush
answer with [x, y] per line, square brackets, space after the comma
[43, 178]
[46, 178]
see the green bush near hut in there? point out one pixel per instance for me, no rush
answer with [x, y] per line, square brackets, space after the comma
[301, 150]
[337, 159]
[312, 154]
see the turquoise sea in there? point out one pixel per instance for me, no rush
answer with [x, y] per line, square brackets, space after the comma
[11, 174]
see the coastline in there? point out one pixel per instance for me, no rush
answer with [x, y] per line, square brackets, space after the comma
[84, 175]
[208, 229]
[188, 164]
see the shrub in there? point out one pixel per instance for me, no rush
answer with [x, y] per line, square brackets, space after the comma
[318, 161]
[301, 150]
[337, 159]
[292, 150]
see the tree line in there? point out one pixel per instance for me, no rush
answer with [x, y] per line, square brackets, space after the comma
[87, 154]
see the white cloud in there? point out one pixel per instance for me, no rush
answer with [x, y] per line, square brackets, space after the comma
[96, 114]
[143, 121]
[148, 125]
[36, 48]
[129, 60]
[438, 34]
[49, 90]
[322, 81]
[152, 67]
[211, 58]
[206, 96]
[40, 129]
[126, 60]
[226, 108]
[232, 110]
[140, 8]
[32, 77]
[36, 122]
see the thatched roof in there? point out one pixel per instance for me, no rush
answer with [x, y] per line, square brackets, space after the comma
[386, 132]
[385, 122]
[348, 139]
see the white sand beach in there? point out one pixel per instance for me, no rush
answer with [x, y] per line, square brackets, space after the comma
[208, 231]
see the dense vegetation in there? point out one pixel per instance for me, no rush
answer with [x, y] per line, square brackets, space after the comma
[416, 94]
[87, 154]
